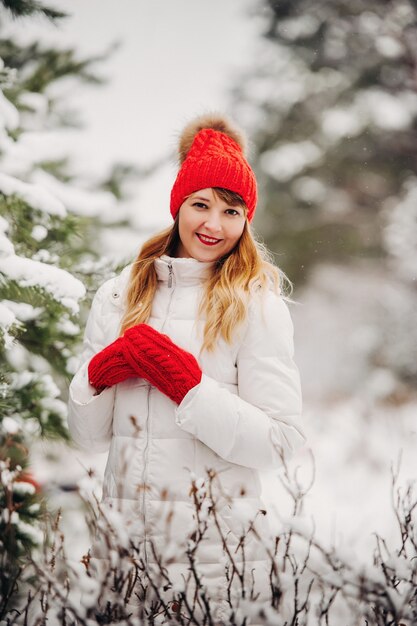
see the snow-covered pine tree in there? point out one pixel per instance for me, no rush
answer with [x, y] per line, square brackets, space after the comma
[47, 243]
[37, 304]
[331, 97]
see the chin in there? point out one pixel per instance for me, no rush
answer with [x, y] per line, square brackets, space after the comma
[206, 258]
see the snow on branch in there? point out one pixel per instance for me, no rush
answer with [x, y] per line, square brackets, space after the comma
[34, 195]
[60, 284]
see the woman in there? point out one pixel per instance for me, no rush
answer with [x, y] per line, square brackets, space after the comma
[188, 371]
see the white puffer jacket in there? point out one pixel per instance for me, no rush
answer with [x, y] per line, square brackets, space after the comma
[240, 418]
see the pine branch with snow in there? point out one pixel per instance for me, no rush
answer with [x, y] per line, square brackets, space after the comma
[49, 253]
[23, 8]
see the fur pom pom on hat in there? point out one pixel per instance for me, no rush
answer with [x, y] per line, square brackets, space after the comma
[211, 154]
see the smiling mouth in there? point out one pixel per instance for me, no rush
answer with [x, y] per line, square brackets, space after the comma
[208, 241]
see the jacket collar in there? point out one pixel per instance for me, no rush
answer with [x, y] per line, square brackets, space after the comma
[184, 272]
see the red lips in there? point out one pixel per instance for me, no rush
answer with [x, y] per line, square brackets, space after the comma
[208, 241]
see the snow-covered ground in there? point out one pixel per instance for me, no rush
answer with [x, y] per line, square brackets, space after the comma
[358, 417]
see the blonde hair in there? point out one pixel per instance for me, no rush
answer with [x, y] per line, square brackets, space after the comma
[248, 268]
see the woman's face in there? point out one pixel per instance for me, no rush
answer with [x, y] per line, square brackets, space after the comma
[209, 228]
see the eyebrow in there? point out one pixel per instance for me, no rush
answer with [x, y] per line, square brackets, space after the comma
[201, 198]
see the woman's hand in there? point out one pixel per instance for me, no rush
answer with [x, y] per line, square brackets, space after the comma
[145, 353]
[109, 367]
[157, 359]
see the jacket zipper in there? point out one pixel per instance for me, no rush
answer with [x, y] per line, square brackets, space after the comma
[171, 285]
[144, 473]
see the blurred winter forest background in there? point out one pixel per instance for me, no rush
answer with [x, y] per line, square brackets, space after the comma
[327, 93]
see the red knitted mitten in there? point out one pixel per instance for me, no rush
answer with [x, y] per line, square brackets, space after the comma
[161, 362]
[109, 366]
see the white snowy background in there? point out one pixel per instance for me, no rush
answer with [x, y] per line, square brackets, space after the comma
[177, 59]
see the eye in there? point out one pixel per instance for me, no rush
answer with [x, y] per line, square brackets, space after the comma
[200, 205]
[232, 212]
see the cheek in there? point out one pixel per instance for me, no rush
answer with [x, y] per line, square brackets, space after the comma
[185, 227]
[235, 231]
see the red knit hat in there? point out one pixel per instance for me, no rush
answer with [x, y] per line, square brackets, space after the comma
[212, 155]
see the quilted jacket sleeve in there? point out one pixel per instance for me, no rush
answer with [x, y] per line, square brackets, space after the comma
[260, 424]
[89, 416]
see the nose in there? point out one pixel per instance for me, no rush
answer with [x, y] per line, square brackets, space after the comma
[213, 222]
